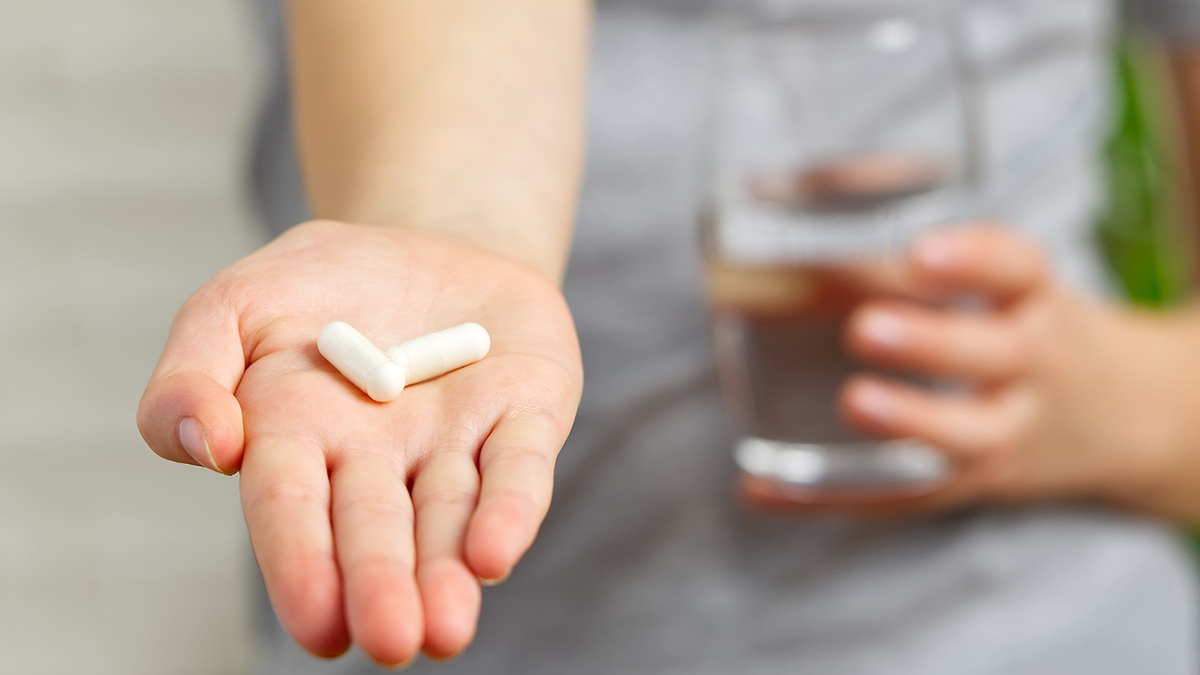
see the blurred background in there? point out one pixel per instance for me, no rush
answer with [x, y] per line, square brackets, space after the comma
[122, 135]
[123, 128]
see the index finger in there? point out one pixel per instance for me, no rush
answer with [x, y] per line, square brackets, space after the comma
[188, 412]
[988, 260]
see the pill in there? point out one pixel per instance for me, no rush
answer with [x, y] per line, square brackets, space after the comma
[438, 353]
[363, 363]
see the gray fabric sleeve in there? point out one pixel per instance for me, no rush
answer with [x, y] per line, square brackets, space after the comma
[1173, 20]
[276, 187]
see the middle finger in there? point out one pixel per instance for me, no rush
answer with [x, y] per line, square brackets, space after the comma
[938, 343]
[373, 531]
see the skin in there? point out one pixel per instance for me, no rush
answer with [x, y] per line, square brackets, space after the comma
[373, 522]
[452, 130]
[441, 144]
[1068, 397]
[463, 117]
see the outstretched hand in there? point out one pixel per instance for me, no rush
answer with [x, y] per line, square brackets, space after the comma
[372, 523]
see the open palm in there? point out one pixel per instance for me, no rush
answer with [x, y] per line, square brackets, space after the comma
[372, 523]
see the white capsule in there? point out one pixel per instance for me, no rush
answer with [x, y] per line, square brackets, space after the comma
[438, 353]
[364, 364]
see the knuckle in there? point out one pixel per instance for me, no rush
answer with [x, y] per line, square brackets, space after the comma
[530, 459]
[445, 496]
[541, 401]
[216, 302]
[376, 568]
[437, 477]
[453, 456]
[520, 504]
[289, 494]
[536, 406]
[384, 507]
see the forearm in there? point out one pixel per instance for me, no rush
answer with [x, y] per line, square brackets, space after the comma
[1160, 417]
[462, 116]
[1168, 353]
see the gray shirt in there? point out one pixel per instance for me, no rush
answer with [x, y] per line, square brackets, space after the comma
[646, 564]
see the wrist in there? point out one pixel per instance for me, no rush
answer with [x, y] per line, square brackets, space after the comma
[533, 247]
[1161, 429]
[543, 247]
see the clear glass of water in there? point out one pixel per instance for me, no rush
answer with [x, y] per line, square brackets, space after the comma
[834, 140]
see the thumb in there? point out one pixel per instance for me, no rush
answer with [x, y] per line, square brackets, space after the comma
[188, 412]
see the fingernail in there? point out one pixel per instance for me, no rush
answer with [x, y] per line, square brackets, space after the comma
[194, 441]
[875, 400]
[883, 328]
[444, 659]
[934, 252]
[495, 582]
[403, 665]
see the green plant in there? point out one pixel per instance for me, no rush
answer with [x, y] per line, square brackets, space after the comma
[1140, 231]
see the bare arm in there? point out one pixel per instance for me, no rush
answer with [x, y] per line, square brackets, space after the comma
[446, 136]
[1073, 398]
[463, 116]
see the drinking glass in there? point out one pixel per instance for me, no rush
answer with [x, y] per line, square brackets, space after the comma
[834, 140]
